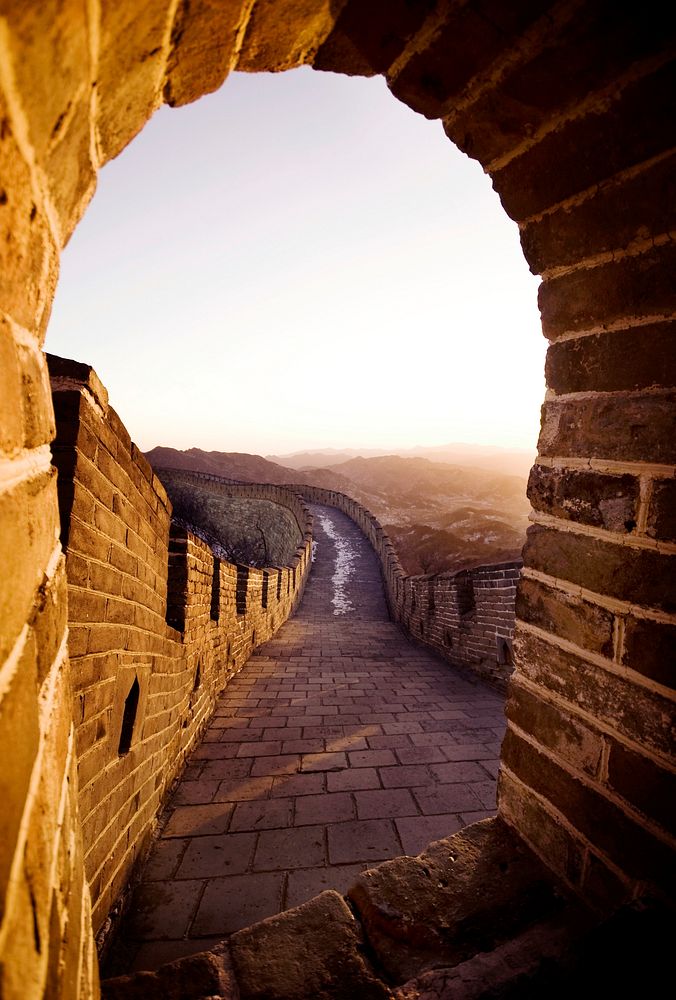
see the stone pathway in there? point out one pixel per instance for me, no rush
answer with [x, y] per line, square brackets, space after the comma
[340, 744]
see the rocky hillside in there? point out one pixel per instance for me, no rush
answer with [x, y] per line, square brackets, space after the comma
[441, 516]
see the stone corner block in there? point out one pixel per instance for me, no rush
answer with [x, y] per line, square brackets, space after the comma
[462, 895]
[312, 952]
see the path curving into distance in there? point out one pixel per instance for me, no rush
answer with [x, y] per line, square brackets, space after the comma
[339, 744]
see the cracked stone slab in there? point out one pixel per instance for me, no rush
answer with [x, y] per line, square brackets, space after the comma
[313, 952]
[462, 895]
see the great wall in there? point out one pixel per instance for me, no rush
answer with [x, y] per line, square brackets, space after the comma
[118, 633]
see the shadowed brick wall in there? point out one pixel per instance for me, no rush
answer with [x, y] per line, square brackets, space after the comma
[127, 566]
[569, 107]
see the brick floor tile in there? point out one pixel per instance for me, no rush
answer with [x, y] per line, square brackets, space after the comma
[371, 758]
[486, 792]
[192, 793]
[323, 762]
[492, 766]
[266, 748]
[389, 742]
[433, 739]
[446, 799]
[352, 779]
[225, 770]
[303, 746]
[322, 732]
[229, 904]
[298, 847]
[309, 882]
[477, 815]
[163, 909]
[362, 840]
[290, 785]
[462, 770]
[326, 808]
[284, 734]
[267, 814]
[213, 751]
[303, 721]
[267, 721]
[238, 789]
[206, 857]
[381, 803]
[164, 859]
[420, 755]
[399, 728]
[404, 776]
[416, 832]
[347, 742]
[198, 821]
[469, 751]
[281, 764]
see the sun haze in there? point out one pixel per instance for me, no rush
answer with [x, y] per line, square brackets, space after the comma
[300, 261]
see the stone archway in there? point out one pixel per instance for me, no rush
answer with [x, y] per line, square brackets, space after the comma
[568, 107]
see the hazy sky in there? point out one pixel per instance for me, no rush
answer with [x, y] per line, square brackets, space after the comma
[301, 261]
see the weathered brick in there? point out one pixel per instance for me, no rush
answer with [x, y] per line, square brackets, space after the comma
[650, 649]
[649, 787]
[634, 711]
[622, 360]
[282, 34]
[629, 288]
[604, 501]
[661, 521]
[363, 47]
[462, 46]
[633, 848]
[202, 50]
[555, 728]
[570, 617]
[129, 77]
[588, 149]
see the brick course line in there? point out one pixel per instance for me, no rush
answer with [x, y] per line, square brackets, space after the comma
[337, 746]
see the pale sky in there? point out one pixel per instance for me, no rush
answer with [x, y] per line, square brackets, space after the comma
[300, 261]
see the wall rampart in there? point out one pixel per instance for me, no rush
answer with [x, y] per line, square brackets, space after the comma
[467, 617]
[157, 625]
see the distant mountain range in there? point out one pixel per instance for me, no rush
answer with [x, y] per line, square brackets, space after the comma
[441, 516]
[512, 461]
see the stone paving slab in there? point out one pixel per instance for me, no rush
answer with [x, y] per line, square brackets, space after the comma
[339, 745]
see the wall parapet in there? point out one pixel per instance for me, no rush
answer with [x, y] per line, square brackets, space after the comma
[157, 626]
[466, 616]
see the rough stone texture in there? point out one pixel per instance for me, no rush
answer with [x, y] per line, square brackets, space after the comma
[622, 360]
[604, 501]
[196, 977]
[566, 615]
[462, 895]
[315, 952]
[203, 47]
[281, 34]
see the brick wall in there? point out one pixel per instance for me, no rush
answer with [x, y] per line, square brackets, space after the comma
[569, 109]
[142, 689]
[467, 617]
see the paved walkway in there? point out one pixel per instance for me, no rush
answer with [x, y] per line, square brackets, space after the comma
[339, 745]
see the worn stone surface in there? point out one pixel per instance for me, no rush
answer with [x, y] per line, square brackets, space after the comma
[314, 952]
[603, 501]
[197, 977]
[461, 895]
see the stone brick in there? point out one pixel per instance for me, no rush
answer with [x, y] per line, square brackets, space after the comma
[555, 728]
[460, 48]
[232, 903]
[54, 78]
[650, 649]
[614, 361]
[202, 49]
[633, 848]
[298, 847]
[314, 952]
[587, 625]
[28, 257]
[586, 150]
[130, 75]
[645, 784]
[362, 840]
[661, 522]
[628, 288]
[28, 535]
[604, 501]
[364, 47]
[452, 900]
[640, 576]
[632, 710]
[282, 34]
